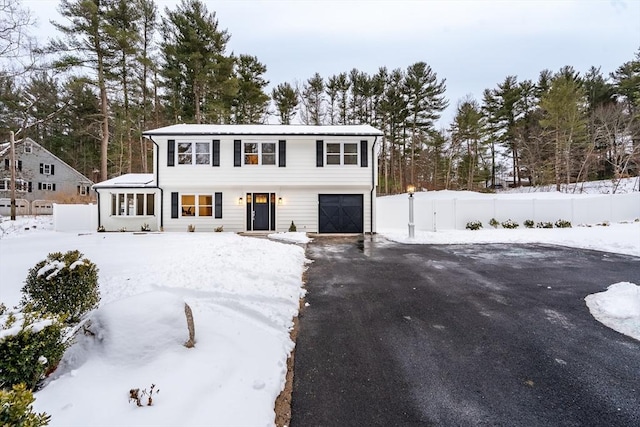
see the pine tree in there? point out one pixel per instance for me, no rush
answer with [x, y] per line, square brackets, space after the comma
[313, 101]
[286, 100]
[196, 71]
[85, 43]
[250, 102]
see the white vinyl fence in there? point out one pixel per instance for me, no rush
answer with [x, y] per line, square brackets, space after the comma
[446, 210]
[75, 217]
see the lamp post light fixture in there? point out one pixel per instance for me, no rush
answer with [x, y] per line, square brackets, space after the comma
[411, 189]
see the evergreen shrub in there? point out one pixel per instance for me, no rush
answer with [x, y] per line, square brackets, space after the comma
[510, 224]
[474, 225]
[494, 223]
[544, 224]
[63, 284]
[31, 345]
[293, 228]
[563, 223]
[16, 410]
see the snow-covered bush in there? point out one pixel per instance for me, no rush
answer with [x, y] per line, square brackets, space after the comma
[65, 284]
[544, 224]
[494, 223]
[510, 224]
[31, 344]
[474, 225]
[528, 223]
[563, 223]
[145, 227]
[16, 410]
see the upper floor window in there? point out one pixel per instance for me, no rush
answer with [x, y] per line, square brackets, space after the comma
[47, 169]
[7, 165]
[194, 153]
[259, 153]
[28, 148]
[342, 153]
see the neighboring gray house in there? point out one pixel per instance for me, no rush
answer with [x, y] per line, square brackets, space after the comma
[40, 177]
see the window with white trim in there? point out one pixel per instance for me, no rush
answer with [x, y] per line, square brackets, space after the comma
[341, 153]
[192, 205]
[259, 153]
[22, 186]
[47, 169]
[28, 148]
[132, 204]
[194, 153]
[47, 186]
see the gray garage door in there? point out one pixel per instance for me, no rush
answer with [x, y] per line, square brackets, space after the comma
[341, 213]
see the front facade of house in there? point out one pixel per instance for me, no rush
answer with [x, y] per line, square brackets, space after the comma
[41, 179]
[250, 178]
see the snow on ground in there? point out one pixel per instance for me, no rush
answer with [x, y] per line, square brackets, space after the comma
[618, 308]
[617, 238]
[292, 237]
[244, 293]
[607, 186]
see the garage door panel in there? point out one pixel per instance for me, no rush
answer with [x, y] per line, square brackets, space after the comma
[341, 213]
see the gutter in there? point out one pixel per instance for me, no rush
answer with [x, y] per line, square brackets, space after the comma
[373, 183]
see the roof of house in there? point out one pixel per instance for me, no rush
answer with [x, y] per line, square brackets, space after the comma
[6, 146]
[130, 180]
[193, 129]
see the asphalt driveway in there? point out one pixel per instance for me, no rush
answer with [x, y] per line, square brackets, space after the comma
[461, 335]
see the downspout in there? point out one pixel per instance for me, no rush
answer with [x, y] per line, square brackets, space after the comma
[98, 199]
[373, 183]
[157, 174]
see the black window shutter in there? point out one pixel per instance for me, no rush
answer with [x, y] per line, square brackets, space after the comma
[174, 205]
[54, 186]
[39, 186]
[78, 189]
[30, 186]
[364, 158]
[41, 168]
[19, 165]
[53, 170]
[237, 153]
[319, 153]
[282, 153]
[218, 205]
[6, 164]
[171, 154]
[216, 153]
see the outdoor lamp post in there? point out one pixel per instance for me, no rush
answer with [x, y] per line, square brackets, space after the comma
[411, 189]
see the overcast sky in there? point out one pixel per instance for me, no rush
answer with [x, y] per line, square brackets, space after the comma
[472, 44]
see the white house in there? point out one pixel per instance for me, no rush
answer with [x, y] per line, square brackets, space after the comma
[250, 178]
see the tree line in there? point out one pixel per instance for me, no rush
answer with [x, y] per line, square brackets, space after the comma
[118, 67]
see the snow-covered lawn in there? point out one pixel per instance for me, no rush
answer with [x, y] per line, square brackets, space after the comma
[244, 293]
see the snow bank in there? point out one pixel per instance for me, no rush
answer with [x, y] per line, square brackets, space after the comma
[618, 308]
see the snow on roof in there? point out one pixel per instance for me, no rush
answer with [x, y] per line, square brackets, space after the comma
[192, 129]
[138, 180]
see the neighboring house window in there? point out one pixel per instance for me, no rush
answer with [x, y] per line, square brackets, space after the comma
[83, 190]
[47, 186]
[194, 153]
[47, 169]
[7, 162]
[27, 147]
[341, 153]
[259, 153]
[132, 204]
[21, 185]
[196, 205]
